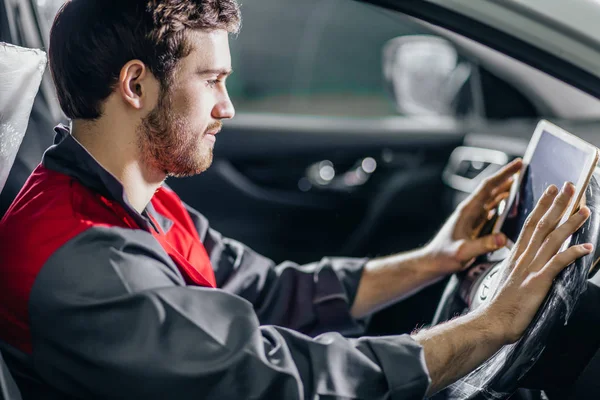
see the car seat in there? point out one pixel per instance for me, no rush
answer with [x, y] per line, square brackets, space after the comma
[21, 72]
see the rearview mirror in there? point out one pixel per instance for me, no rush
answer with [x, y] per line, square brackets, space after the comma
[426, 76]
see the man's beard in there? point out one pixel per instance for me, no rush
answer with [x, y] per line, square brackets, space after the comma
[168, 143]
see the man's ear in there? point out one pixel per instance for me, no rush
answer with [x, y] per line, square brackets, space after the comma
[132, 83]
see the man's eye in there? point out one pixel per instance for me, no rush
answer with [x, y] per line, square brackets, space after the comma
[213, 83]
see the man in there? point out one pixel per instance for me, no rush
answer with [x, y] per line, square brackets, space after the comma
[110, 287]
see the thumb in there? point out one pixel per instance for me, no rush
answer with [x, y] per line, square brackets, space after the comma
[476, 247]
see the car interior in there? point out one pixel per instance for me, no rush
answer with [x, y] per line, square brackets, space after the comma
[358, 131]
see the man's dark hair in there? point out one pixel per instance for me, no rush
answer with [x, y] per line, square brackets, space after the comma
[91, 41]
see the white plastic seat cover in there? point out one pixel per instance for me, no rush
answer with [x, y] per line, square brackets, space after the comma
[21, 72]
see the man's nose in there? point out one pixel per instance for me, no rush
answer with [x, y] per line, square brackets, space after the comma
[224, 108]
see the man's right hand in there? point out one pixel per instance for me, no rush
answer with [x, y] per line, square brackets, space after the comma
[535, 261]
[457, 347]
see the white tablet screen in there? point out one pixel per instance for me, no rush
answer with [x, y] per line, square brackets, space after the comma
[554, 161]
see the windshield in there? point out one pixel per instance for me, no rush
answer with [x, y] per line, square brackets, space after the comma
[578, 16]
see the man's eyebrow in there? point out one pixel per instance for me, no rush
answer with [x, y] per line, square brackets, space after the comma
[225, 72]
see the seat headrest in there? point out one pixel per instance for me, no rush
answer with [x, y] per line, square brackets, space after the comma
[21, 72]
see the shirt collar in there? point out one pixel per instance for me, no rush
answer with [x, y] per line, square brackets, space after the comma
[69, 157]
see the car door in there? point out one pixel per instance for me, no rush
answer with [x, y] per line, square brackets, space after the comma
[318, 160]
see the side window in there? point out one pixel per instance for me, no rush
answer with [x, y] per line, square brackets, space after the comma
[313, 57]
[325, 58]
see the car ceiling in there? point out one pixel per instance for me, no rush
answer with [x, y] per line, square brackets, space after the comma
[552, 97]
[524, 20]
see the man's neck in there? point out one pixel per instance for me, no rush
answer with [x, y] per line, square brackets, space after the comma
[118, 153]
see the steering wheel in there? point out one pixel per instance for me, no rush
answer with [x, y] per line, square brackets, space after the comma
[499, 377]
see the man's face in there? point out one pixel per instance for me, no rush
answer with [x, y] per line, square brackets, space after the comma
[178, 135]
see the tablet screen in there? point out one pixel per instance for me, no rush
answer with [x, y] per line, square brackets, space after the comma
[554, 161]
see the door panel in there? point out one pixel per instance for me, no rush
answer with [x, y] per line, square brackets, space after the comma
[259, 189]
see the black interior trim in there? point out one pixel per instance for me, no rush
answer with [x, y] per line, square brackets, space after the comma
[498, 40]
[299, 200]
[556, 25]
[248, 135]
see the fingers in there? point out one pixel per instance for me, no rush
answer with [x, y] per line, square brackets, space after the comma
[481, 223]
[494, 203]
[487, 193]
[500, 193]
[566, 258]
[532, 221]
[495, 182]
[559, 236]
[505, 173]
[489, 209]
[474, 248]
[549, 221]
[502, 188]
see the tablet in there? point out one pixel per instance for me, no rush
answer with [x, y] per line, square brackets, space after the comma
[554, 156]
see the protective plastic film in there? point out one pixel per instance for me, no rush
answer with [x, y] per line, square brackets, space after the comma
[499, 377]
[21, 72]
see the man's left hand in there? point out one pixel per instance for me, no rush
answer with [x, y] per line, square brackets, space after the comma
[457, 244]
[389, 279]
